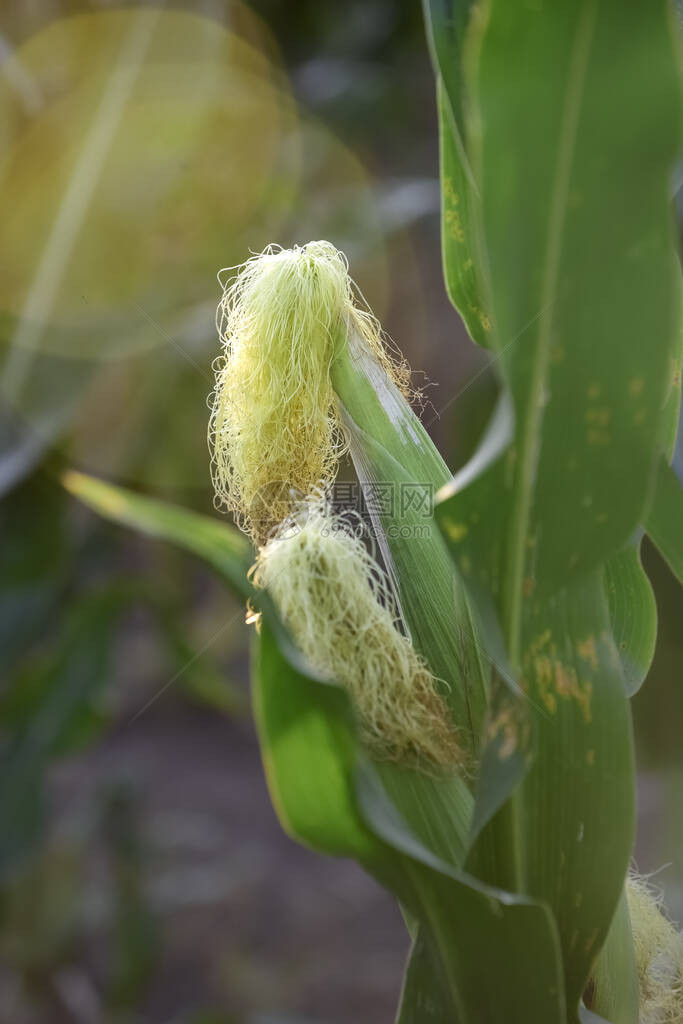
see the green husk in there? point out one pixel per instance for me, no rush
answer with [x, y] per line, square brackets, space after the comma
[305, 375]
[390, 447]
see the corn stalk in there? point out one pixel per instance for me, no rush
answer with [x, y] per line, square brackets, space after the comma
[525, 599]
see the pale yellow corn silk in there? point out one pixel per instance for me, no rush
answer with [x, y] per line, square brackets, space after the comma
[659, 955]
[337, 604]
[274, 429]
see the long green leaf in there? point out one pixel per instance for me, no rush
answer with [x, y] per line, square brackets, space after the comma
[446, 22]
[220, 545]
[577, 854]
[471, 931]
[558, 159]
[572, 287]
[566, 834]
[458, 246]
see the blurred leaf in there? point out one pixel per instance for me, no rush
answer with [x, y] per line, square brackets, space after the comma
[130, 129]
[139, 116]
[200, 677]
[39, 910]
[53, 710]
[21, 449]
[136, 937]
[144, 117]
[39, 394]
[222, 546]
[33, 565]
[664, 520]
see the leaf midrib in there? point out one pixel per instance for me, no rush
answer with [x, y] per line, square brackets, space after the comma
[530, 445]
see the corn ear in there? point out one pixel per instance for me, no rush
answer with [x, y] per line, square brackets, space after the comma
[338, 607]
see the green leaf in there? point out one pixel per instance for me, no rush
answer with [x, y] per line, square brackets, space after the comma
[572, 820]
[458, 246]
[446, 22]
[476, 932]
[565, 739]
[472, 932]
[633, 613]
[299, 717]
[572, 286]
[422, 997]
[222, 546]
[394, 457]
[664, 520]
[576, 282]
[307, 736]
[614, 989]
[508, 751]
[302, 721]
[66, 229]
[436, 808]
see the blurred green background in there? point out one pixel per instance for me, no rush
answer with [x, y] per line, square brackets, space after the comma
[143, 877]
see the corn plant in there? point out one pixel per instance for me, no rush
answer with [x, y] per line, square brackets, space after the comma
[450, 704]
